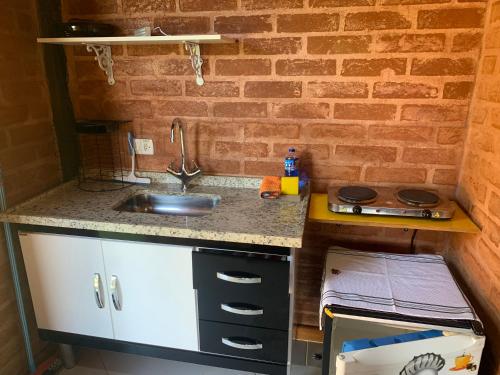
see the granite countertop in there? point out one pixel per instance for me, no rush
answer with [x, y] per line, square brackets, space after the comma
[240, 217]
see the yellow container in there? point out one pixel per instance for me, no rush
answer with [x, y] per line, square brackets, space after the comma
[290, 185]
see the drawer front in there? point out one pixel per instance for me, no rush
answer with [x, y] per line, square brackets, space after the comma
[232, 306]
[243, 275]
[242, 341]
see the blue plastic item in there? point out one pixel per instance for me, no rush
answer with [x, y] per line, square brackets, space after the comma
[349, 346]
[291, 161]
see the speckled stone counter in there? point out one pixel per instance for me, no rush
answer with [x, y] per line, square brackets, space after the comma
[240, 217]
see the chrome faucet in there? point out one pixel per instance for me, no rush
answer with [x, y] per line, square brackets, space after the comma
[183, 174]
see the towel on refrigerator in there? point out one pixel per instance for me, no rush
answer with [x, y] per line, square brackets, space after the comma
[397, 285]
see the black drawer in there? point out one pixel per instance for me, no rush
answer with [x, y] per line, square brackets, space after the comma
[240, 274]
[242, 341]
[254, 309]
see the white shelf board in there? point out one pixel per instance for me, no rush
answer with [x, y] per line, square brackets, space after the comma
[116, 40]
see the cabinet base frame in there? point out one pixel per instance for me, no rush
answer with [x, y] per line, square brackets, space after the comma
[199, 358]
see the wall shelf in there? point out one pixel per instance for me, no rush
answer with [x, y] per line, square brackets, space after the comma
[460, 223]
[101, 46]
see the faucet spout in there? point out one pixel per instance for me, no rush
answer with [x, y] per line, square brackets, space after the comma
[184, 175]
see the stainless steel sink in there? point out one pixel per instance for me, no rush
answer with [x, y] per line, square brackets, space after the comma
[170, 204]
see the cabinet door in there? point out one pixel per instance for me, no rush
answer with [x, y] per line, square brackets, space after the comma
[151, 286]
[67, 283]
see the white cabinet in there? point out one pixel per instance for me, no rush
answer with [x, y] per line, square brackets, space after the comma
[61, 272]
[152, 288]
[128, 291]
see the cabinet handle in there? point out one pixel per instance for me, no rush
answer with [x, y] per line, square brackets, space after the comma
[115, 297]
[239, 279]
[253, 346]
[96, 281]
[243, 310]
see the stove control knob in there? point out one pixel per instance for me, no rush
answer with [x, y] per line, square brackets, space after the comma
[356, 210]
[427, 214]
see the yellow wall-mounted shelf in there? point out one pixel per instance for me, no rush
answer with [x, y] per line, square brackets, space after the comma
[460, 223]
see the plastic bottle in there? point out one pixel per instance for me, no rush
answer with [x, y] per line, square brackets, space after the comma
[291, 161]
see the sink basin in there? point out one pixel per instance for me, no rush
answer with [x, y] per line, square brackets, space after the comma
[170, 204]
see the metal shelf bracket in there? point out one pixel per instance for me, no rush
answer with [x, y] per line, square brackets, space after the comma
[104, 59]
[196, 60]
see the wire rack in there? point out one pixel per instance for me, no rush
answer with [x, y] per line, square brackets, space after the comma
[101, 158]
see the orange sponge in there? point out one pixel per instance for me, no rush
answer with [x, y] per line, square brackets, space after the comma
[270, 187]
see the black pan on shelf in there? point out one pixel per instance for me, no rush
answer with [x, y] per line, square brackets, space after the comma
[87, 28]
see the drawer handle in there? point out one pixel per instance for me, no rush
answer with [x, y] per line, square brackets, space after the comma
[115, 296]
[242, 309]
[228, 341]
[246, 279]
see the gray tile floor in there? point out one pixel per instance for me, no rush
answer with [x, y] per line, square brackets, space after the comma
[100, 362]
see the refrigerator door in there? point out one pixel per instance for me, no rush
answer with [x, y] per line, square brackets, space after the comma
[445, 355]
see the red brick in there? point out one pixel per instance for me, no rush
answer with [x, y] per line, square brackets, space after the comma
[237, 150]
[224, 167]
[366, 153]
[442, 67]
[410, 43]
[404, 90]
[78, 7]
[305, 151]
[494, 205]
[372, 67]
[178, 67]
[376, 21]
[271, 46]
[127, 109]
[465, 42]
[213, 89]
[29, 133]
[156, 87]
[275, 130]
[374, 112]
[146, 6]
[220, 49]
[271, 4]
[337, 90]
[334, 131]
[100, 88]
[429, 112]
[401, 133]
[445, 177]
[206, 5]
[216, 130]
[240, 109]
[274, 89]
[301, 110]
[430, 156]
[14, 113]
[495, 12]
[339, 3]
[450, 136]
[243, 67]
[306, 67]
[181, 108]
[413, 2]
[334, 172]
[132, 67]
[458, 90]
[299, 23]
[152, 49]
[395, 175]
[263, 168]
[183, 25]
[243, 24]
[328, 45]
[458, 18]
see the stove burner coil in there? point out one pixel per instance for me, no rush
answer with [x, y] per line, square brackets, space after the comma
[418, 198]
[357, 194]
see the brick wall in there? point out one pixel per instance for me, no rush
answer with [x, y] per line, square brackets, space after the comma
[477, 258]
[368, 90]
[28, 154]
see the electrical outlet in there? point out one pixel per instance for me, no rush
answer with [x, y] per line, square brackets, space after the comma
[144, 146]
